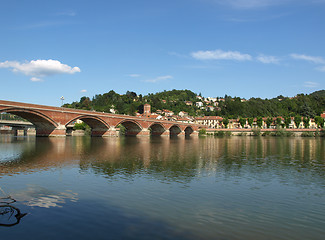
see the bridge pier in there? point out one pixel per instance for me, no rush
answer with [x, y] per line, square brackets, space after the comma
[144, 132]
[18, 131]
[166, 133]
[59, 131]
[15, 131]
[104, 132]
[182, 133]
[111, 132]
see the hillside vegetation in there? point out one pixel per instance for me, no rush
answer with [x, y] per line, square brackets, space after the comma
[306, 105]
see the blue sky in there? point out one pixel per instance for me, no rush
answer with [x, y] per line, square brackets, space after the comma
[244, 48]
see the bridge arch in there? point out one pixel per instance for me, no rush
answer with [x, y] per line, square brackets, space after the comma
[175, 130]
[132, 127]
[98, 126]
[188, 130]
[157, 129]
[44, 125]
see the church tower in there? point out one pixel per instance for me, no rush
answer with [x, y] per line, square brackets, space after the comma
[147, 110]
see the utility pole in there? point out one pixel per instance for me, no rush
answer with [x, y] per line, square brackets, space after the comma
[62, 99]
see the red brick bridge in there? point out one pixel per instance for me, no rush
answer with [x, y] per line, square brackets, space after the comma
[53, 121]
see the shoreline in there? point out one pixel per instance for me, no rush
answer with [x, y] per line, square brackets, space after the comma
[265, 132]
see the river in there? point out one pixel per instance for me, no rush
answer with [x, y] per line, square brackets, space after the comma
[162, 188]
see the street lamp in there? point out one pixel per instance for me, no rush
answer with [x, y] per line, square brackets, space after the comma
[62, 98]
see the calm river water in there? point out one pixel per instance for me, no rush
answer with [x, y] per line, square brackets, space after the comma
[161, 188]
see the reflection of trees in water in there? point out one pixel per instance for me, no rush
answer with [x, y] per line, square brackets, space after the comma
[186, 159]
[267, 158]
[172, 158]
[10, 215]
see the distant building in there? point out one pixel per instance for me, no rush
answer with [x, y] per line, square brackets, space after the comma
[234, 123]
[210, 108]
[210, 121]
[182, 114]
[147, 110]
[167, 112]
[112, 109]
[212, 99]
[185, 120]
[199, 104]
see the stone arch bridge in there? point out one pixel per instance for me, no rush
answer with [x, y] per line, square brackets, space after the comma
[53, 121]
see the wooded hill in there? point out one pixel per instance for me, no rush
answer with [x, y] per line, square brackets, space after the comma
[306, 105]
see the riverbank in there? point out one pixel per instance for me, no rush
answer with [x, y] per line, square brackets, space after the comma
[281, 132]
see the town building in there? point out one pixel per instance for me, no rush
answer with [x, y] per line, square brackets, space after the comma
[210, 121]
[199, 104]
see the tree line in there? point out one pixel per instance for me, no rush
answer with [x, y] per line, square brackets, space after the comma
[305, 105]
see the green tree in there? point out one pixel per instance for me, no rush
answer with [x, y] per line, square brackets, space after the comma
[306, 122]
[242, 122]
[297, 120]
[287, 121]
[278, 121]
[225, 122]
[259, 122]
[269, 121]
[319, 121]
[250, 121]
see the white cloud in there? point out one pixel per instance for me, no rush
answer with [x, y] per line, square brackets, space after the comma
[134, 75]
[83, 90]
[158, 79]
[39, 68]
[313, 59]
[311, 84]
[38, 196]
[35, 79]
[268, 59]
[220, 55]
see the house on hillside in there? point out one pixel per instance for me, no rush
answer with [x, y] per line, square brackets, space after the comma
[168, 113]
[182, 114]
[212, 99]
[234, 123]
[209, 108]
[210, 121]
[199, 104]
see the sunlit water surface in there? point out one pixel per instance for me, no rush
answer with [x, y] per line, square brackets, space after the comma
[161, 188]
